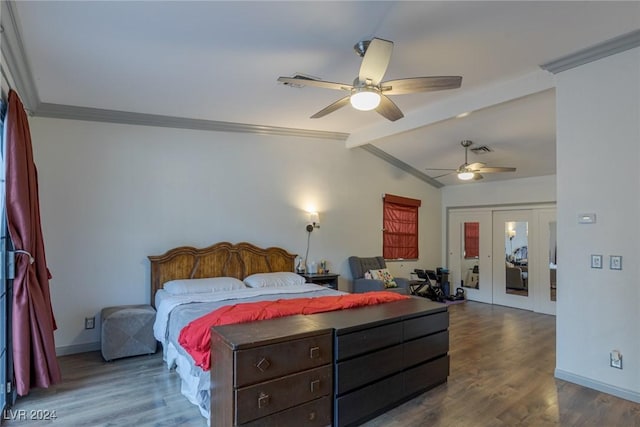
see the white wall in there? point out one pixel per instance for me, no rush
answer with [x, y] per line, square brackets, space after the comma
[113, 194]
[540, 189]
[598, 153]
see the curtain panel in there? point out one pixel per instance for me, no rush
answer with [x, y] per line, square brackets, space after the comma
[34, 352]
[400, 227]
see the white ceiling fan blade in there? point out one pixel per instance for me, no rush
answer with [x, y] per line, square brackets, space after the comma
[331, 108]
[494, 169]
[476, 165]
[376, 60]
[301, 81]
[440, 169]
[421, 84]
[388, 109]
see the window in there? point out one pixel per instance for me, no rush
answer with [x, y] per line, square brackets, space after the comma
[400, 227]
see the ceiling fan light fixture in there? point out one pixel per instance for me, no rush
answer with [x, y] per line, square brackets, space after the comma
[365, 99]
[465, 175]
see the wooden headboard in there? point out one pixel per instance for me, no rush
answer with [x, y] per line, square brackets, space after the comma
[220, 260]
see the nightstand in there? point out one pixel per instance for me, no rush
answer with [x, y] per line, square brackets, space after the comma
[328, 280]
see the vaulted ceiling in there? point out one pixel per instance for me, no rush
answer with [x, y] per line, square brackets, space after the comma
[214, 65]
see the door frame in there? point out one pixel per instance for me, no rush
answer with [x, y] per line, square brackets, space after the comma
[539, 211]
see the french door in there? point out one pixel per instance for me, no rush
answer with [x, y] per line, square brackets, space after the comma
[504, 256]
[512, 272]
[470, 254]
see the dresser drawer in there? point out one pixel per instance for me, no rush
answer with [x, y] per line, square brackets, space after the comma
[425, 325]
[426, 376]
[368, 368]
[271, 361]
[367, 340]
[267, 398]
[367, 401]
[316, 413]
[425, 348]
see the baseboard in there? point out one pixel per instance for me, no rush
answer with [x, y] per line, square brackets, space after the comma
[78, 348]
[622, 393]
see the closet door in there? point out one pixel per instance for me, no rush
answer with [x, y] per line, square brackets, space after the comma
[469, 253]
[545, 287]
[513, 270]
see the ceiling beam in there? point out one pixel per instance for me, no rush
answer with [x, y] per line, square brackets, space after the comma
[464, 102]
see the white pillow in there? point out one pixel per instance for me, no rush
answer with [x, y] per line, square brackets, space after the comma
[200, 286]
[269, 280]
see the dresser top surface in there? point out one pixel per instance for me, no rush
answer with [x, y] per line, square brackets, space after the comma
[252, 334]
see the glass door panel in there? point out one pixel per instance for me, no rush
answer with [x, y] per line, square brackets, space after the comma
[469, 253]
[511, 262]
[546, 288]
[516, 266]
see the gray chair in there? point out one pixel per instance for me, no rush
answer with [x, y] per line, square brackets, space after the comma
[359, 266]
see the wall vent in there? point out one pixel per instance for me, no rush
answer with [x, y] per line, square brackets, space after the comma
[481, 149]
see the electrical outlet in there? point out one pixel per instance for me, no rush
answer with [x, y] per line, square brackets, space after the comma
[89, 322]
[615, 359]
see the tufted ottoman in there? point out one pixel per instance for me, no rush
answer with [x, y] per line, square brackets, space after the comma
[127, 330]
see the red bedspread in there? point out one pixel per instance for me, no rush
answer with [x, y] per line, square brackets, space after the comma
[195, 337]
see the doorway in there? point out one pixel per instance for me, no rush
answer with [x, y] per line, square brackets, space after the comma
[504, 255]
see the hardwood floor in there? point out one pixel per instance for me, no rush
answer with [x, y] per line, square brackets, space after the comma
[502, 363]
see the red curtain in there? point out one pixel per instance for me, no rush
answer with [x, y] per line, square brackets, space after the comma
[34, 352]
[400, 223]
[471, 239]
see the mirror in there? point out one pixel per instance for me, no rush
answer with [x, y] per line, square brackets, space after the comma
[470, 274]
[553, 260]
[516, 243]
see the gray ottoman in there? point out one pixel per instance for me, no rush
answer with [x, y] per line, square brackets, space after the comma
[127, 330]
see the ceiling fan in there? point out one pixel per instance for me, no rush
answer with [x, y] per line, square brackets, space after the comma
[471, 171]
[368, 91]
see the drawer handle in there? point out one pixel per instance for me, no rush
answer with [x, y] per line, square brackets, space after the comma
[312, 416]
[314, 352]
[315, 385]
[263, 364]
[263, 400]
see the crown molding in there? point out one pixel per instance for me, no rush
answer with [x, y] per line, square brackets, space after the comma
[610, 47]
[16, 60]
[401, 165]
[71, 112]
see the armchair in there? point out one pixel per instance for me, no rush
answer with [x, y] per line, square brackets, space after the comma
[359, 266]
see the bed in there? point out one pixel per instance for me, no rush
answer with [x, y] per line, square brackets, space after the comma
[413, 331]
[175, 311]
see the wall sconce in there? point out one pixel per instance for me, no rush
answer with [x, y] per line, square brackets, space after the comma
[511, 233]
[314, 221]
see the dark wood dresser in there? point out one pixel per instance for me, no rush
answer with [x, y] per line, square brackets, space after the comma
[339, 368]
[275, 372]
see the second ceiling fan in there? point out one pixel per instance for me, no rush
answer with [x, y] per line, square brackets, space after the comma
[368, 91]
[471, 171]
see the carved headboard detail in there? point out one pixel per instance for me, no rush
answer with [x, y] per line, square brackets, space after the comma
[220, 260]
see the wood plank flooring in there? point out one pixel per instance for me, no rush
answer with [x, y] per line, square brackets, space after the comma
[502, 363]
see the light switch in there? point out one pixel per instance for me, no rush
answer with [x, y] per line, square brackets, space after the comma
[587, 218]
